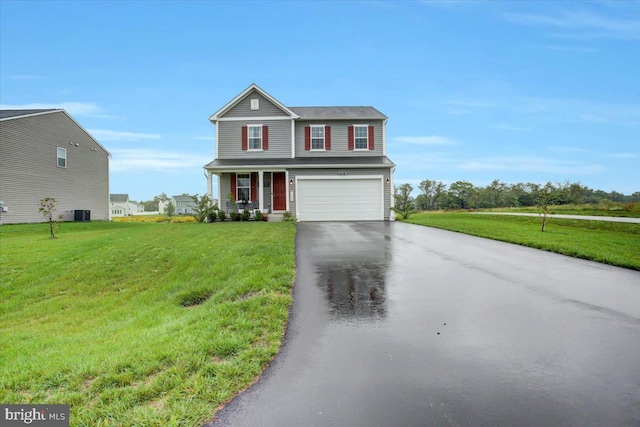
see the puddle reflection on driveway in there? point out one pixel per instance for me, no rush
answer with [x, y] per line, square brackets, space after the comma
[401, 325]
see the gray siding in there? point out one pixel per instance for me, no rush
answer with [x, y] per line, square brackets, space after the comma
[28, 171]
[339, 141]
[385, 172]
[243, 108]
[230, 140]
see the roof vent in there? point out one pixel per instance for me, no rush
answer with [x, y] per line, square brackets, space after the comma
[255, 104]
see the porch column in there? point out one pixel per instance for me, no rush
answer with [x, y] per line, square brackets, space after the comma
[261, 190]
[209, 186]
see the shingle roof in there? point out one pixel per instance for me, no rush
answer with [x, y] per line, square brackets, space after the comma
[183, 198]
[118, 198]
[5, 114]
[304, 162]
[338, 113]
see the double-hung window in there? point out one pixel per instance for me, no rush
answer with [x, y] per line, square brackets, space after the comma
[361, 141]
[62, 157]
[255, 137]
[317, 137]
[243, 181]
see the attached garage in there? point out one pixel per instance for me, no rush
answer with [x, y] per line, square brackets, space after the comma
[341, 198]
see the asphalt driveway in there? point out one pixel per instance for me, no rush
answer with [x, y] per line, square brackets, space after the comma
[400, 325]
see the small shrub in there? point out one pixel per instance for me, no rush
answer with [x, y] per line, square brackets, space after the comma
[258, 216]
[222, 215]
[245, 215]
[288, 217]
[233, 215]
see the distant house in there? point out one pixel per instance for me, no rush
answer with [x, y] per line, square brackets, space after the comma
[183, 204]
[162, 206]
[120, 205]
[46, 153]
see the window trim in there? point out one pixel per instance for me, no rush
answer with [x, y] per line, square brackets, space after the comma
[249, 138]
[311, 138]
[59, 157]
[238, 187]
[355, 138]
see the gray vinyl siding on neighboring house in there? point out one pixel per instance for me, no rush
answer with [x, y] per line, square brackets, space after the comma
[350, 172]
[339, 139]
[29, 172]
[243, 108]
[230, 140]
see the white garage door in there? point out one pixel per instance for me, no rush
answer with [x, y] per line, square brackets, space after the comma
[340, 199]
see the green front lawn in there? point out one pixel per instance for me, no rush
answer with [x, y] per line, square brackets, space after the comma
[141, 323]
[607, 242]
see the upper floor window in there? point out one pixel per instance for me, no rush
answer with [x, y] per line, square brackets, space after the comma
[62, 157]
[361, 141]
[317, 137]
[255, 137]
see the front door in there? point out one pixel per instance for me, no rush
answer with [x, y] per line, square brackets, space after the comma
[279, 191]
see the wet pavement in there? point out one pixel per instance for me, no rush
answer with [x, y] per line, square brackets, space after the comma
[400, 325]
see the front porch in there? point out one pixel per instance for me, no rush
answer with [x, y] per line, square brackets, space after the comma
[264, 190]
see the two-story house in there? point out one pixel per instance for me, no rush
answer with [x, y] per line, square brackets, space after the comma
[184, 204]
[319, 163]
[46, 153]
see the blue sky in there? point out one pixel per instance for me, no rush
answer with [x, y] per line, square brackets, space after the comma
[517, 91]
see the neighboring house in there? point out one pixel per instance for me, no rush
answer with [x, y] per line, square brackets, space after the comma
[46, 153]
[183, 204]
[120, 205]
[319, 163]
[162, 206]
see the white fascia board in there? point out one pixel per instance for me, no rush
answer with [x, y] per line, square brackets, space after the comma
[244, 119]
[216, 116]
[276, 167]
[39, 113]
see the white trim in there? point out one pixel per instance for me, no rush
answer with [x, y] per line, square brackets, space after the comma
[217, 139]
[254, 125]
[263, 118]
[293, 139]
[58, 157]
[214, 117]
[261, 190]
[288, 189]
[281, 168]
[355, 148]
[324, 137]
[22, 116]
[384, 137]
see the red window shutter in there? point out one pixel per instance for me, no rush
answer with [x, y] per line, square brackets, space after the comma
[327, 137]
[244, 138]
[350, 138]
[254, 184]
[371, 146]
[233, 186]
[307, 138]
[265, 137]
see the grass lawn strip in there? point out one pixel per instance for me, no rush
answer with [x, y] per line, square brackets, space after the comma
[607, 242]
[141, 324]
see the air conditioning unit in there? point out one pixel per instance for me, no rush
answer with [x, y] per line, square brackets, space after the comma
[81, 215]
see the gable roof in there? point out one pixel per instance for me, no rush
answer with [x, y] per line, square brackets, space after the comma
[10, 114]
[118, 198]
[338, 113]
[183, 198]
[215, 116]
[19, 114]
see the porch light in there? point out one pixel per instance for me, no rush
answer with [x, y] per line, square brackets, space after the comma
[291, 181]
[387, 181]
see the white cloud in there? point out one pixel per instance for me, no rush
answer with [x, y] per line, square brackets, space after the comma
[581, 24]
[530, 164]
[73, 108]
[623, 155]
[426, 140]
[111, 135]
[138, 160]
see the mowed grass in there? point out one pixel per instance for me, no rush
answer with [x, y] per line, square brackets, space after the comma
[607, 242]
[103, 317]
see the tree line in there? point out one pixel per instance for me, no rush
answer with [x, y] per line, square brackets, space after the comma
[464, 195]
